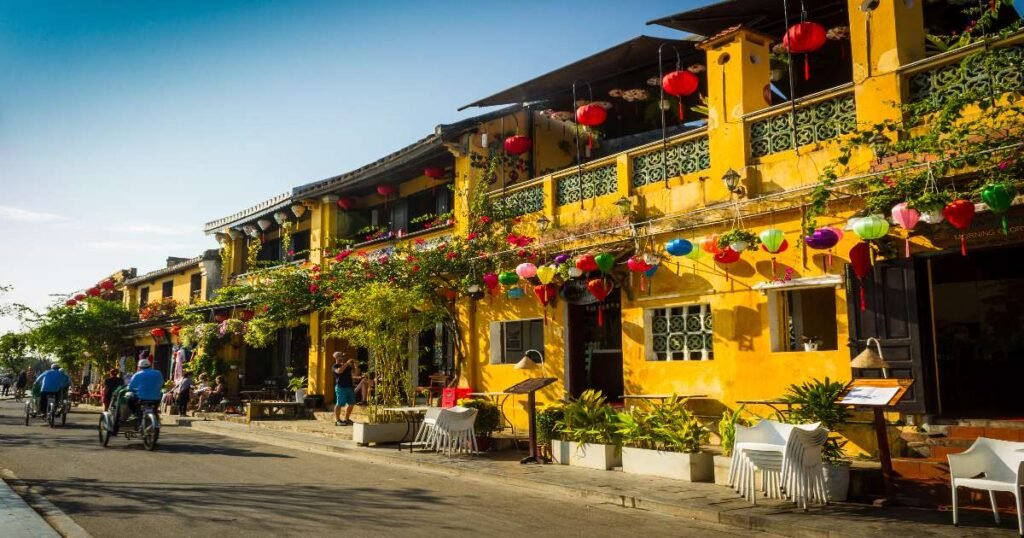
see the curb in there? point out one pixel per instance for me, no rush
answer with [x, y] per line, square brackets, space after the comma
[59, 522]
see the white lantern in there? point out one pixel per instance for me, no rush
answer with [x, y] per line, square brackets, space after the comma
[251, 230]
[575, 272]
[280, 217]
[264, 224]
[932, 217]
[298, 210]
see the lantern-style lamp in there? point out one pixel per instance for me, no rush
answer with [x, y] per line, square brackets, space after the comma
[281, 217]
[731, 178]
[543, 223]
[222, 238]
[879, 146]
[869, 359]
[264, 224]
[624, 205]
[298, 210]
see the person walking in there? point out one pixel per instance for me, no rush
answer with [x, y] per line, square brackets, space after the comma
[20, 383]
[110, 384]
[344, 393]
[184, 392]
[5, 384]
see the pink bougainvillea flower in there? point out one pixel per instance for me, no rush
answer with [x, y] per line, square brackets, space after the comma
[472, 236]
[451, 255]
[313, 288]
[888, 181]
[315, 268]
[1003, 165]
[419, 242]
[485, 219]
[291, 252]
[442, 246]
[415, 269]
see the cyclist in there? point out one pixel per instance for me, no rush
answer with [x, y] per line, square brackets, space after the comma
[53, 381]
[145, 385]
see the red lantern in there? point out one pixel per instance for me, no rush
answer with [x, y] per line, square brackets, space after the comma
[93, 292]
[70, 302]
[960, 213]
[586, 263]
[434, 172]
[158, 333]
[545, 292]
[600, 288]
[518, 144]
[860, 261]
[345, 203]
[803, 38]
[107, 284]
[175, 329]
[386, 190]
[591, 115]
[727, 256]
[637, 264]
[680, 84]
[79, 297]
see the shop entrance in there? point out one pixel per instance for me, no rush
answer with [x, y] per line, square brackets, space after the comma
[595, 350]
[978, 320]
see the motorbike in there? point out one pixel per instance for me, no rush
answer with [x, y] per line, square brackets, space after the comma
[145, 426]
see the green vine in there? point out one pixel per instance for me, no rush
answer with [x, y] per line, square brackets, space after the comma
[253, 247]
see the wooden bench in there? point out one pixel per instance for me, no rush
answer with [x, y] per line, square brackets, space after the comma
[275, 411]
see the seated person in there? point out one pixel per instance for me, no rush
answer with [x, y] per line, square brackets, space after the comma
[212, 397]
[365, 388]
[145, 386]
[53, 381]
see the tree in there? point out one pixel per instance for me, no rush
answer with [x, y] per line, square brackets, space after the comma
[90, 331]
[14, 351]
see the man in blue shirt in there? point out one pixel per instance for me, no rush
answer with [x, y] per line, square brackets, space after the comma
[52, 381]
[145, 385]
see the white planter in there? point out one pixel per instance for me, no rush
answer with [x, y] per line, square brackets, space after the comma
[739, 246]
[590, 456]
[837, 481]
[392, 432]
[722, 464]
[300, 395]
[560, 451]
[697, 467]
[811, 346]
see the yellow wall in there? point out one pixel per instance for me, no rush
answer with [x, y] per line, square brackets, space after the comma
[181, 290]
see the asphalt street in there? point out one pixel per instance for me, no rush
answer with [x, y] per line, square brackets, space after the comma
[198, 484]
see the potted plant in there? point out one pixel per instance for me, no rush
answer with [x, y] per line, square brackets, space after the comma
[727, 434]
[588, 426]
[810, 343]
[298, 386]
[488, 420]
[816, 401]
[548, 434]
[665, 440]
[738, 240]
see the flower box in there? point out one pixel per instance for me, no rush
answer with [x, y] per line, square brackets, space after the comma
[697, 467]
[593, 456]
[391, 432]
[722, 464]
[560, 451]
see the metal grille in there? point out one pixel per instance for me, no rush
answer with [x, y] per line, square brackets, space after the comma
[520, 203]
[590, 184]
[682, 333]
[969, 77]
[814, 123]
[683, 158]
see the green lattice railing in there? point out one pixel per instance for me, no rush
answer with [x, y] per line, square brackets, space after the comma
[968, 77]
[590, 184]
[814, 123]
[683, 158]
[518, 203]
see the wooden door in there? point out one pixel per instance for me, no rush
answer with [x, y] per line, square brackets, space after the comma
[893, 305]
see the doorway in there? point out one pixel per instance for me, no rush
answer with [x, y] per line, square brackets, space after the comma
[595, 349]
[978, 321]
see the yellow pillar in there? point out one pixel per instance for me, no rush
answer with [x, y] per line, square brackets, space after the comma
[738, 83]
[323, 222]
[882, 40]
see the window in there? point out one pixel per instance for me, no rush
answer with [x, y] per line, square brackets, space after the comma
[300, 244]
[270, 252]
[143, 296]
[511, 339]
[680, 333]
[167, 289]
[195, 286]
[803, 316]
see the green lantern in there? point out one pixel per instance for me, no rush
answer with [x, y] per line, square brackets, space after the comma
[772, 239]
[998, 197]
[696, 253]
[605, 262]
[871, 227]
[508, 278]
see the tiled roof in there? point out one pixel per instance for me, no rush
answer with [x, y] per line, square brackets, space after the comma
[207, 255]
[265, 207]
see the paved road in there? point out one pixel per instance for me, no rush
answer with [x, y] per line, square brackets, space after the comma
[199, 484]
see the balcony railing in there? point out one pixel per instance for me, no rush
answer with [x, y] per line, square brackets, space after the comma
[816, 118]
[685, 155]
[943, 75]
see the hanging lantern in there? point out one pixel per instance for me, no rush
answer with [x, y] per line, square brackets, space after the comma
[475, 292]
[80, 297]
[70, 302]
[773, 241]
[710, 244]
[680, 84]
[175, 330]
[803, 38]
[933, 216]
[491, 281]
[998, 197]
[386, 190]
[823, 239]
[860, 260]
[526, 270]
[696, 253]
[515, 293]
[518, 144]
[508, 278]
[561, 258]
[591, 115]
[637, 264]
[605, 262]
[586, 263]
[545, 293]
[600, 288]
[546, 273]
[871, 227]
[158, 333]
[906, 217]
[345, 203]
[434, 172]
[264, 224]
[727, 256]
[575, 272]
[678, 247]
[960, 213]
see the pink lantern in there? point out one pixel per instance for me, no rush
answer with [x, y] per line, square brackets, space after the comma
[907, 217]
[526, 270]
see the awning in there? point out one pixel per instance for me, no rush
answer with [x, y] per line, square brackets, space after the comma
[766, 16]
[823, 281]
[633, 55]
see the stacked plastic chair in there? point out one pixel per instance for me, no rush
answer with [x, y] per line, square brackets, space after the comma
[428, 429]
[453, 432]
[784, 460]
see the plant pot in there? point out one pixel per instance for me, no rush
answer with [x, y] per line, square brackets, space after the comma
[811, 346]
[483, 443]
[722, 464]
[697, 467]
[391, 432]
[837, 480]
[560, 451]
[300, 395]
[739, 246]
[594, 456]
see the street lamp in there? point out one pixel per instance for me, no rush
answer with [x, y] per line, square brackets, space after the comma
[731, 178]
[879, 146]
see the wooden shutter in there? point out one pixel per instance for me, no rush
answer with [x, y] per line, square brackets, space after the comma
[496, 342]
[891, 316]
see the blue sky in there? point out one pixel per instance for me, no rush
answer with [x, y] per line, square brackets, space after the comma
[125, 125]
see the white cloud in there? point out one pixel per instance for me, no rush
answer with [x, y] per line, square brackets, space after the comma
[17, 214]
[139, 245]
[157, 229]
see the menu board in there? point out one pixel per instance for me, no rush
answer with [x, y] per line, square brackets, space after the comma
[530, 385]
[875, 392]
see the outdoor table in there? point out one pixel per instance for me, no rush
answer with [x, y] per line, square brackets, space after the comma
[499, 398]
[413, 417]
[770, 403]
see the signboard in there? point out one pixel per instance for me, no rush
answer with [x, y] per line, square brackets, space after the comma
[530, 385]
[875, 392]
[985, 230]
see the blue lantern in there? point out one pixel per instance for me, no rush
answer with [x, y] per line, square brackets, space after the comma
[516, 293]
[650, 272]
[678, 247]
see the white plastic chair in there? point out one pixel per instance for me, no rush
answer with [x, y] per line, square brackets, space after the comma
[428, 428]
[803, 477]
[761, 447]
[453, 431]
[991, 465]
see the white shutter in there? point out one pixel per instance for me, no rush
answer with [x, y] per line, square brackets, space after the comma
[649, 353]
[496, 343]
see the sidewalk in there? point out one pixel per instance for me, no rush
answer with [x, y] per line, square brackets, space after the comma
[705, 502]
[17, 519]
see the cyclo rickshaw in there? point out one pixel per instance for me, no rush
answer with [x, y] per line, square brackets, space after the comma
[118, 419]
[50, 409]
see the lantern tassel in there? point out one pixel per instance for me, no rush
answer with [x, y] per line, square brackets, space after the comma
[677, 268]
[590, 141]
[807, 68]
[643, 282]
[680, 109]
[907, 246]
[829, 259]
[863, 302]
[773, 267]
[600, 315]
[963, 244]
[1006, 226]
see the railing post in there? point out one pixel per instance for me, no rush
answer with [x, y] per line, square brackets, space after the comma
[739, 75]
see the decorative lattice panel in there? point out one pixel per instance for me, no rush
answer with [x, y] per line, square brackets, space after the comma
[814, 123]
[970, 77]
[683, 158]
[519, 203]
[682, 333]
[590, 184]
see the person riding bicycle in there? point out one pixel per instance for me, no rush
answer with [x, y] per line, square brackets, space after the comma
[144, 386]
[53, 381]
